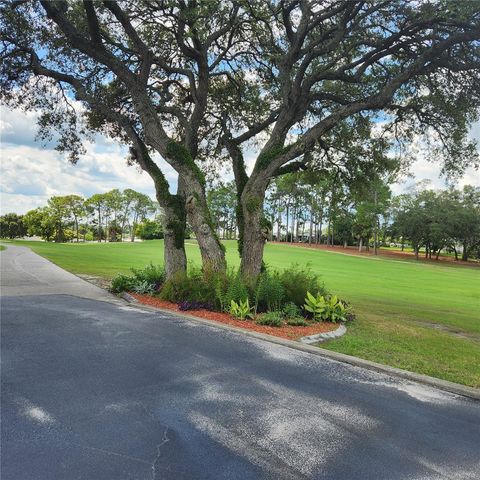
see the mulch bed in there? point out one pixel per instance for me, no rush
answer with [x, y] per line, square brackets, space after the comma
[289, 332]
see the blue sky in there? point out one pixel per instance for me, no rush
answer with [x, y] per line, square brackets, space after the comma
[31, 172]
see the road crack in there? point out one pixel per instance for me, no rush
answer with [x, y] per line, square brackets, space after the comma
[165, 440]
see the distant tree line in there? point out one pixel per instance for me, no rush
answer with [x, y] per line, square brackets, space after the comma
[322, 208]
[438, 220]
[110, 217]
[328, 208]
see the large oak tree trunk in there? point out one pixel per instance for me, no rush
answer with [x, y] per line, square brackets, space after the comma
[255, 232]
[192, 187]
[211, 249]
[175, 259]
[253, 245]
[173, 206]
[190, 202]
[174, 256]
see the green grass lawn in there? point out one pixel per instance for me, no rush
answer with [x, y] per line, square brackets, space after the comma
[2, 247]
[417, 316]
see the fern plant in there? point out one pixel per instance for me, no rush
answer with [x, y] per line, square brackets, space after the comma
[290, 310]
[269, 292]
[272, 319]
[236, 290]
[297, 322]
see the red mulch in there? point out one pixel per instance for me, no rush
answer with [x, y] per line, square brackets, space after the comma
[287, 331]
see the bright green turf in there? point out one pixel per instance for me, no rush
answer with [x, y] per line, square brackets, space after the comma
[396, 301]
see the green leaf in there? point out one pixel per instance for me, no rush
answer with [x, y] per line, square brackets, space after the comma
[310, 297]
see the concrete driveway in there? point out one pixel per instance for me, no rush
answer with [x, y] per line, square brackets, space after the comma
[95, 389]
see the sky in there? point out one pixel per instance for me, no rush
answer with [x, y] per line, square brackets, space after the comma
[32, 172]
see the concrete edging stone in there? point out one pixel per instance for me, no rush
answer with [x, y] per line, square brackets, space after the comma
[322, 337]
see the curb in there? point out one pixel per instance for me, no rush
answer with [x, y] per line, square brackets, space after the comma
[445, 385]
[322, 337]
[126, 296]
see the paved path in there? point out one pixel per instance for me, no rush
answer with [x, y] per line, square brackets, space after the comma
[26, 273]
[97, 390]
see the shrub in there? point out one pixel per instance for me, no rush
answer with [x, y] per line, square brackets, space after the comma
[149, 230]
[176, 288]
[297, 281]
[152, 274]
[269, 292]
[290, 310]
[182, 287]
[143, 280]
[122, 283]
[240, 310]
[208, 287]
[273, 319]
[297, 322]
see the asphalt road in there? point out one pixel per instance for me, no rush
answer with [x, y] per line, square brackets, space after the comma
[99, 390]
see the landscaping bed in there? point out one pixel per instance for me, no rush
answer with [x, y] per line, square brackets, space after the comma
[289, 332]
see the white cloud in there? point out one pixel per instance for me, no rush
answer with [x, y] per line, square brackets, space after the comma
[31, 174]
[21, 203]
[37, 173]
[422, 169]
